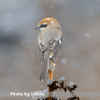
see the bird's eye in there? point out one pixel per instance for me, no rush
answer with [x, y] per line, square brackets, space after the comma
[43, 25]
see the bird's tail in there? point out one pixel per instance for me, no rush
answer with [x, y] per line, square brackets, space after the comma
[43, 73]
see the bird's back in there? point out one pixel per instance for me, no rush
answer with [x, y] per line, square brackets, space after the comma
[46, 36]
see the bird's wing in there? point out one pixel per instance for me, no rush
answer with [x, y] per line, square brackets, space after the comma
[55, 46]
[41, 50]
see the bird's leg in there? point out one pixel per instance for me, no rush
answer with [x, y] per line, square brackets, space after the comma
[50, 71]
[53, 64]
[51, 74]
[52, 61]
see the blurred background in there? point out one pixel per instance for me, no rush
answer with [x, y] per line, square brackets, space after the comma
[79, 61]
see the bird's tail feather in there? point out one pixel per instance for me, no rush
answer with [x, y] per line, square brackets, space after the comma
[43, 73]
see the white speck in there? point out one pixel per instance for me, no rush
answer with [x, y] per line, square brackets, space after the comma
[9, 15]
[71, 84]
[39, 9]
[48, 19]
[28, 46]
[50, 56]
[37, 68]
[21, 54]
[49, 82]
[18, 46]
[28, 40]
[12, 54]
[31, 55]
[37, 51]
[25, 87]
[90, 13]
[63, 61]
[61, 13]
[23, 42]
[7, 29]
[60, 42]
[51, 7]
[75, 64]
[91, 97]
[62, 79]
[88, 35]
[29, 73]
[69, 67]
[54, 64]
[41, 86]
[57, 75]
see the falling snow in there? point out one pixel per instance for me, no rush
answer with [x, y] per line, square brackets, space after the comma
[12, 54]
[64, 61]
[57, 75]
[28, 40]
[51, 7]
[41, 86]
[87, 35]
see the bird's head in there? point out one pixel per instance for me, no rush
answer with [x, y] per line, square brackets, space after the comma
[47, 22]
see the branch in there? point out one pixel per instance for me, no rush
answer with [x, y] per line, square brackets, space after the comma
[55, 85]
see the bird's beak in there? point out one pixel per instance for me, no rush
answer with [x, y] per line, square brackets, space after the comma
[37, 27]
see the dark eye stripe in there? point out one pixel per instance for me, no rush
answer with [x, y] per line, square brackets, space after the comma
[43, 25]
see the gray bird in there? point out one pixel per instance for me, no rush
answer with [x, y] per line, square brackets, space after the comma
[49, 44]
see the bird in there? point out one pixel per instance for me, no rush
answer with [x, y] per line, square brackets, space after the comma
[49, 45]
